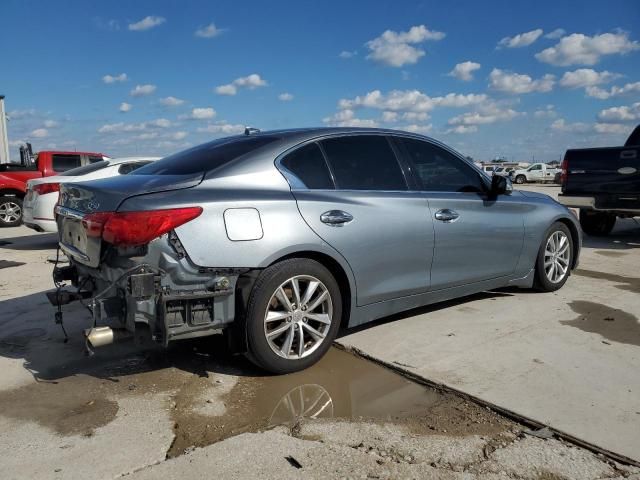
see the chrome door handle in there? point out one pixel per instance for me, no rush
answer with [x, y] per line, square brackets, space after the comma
[336, 218]
[446, 215]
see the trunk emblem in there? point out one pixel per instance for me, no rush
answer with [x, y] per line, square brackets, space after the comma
[92, 205]
[627, 170]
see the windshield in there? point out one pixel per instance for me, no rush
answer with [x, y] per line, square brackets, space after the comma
[206, 157]
[94, 167]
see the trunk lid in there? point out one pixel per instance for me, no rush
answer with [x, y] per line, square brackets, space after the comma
[77, 200]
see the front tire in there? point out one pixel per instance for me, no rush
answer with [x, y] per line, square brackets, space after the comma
[520, 179]
[293, 315]
[596, 224]
[555, 258]
[10, 211]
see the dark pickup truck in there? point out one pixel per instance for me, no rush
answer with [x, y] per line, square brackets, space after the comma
[604, 183]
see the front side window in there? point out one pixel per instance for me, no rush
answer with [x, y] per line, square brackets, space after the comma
[308, 165]
[441, 171]
[62, 163]
[535, 167]
[364, 162]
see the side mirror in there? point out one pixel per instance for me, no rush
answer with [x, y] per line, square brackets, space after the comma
[501, 185]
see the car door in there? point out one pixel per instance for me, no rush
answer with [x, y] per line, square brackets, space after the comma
[535, 173]
[353, 193]
[477, 237]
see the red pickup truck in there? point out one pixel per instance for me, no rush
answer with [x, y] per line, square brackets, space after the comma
[13, 179]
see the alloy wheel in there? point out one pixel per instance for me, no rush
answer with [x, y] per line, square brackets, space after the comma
[298, 317]
[10, 212]
[557, 253]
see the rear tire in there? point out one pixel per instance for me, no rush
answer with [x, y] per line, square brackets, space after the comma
[555, 258]
[276, 324]
[520, 179]
[10, 211]
[596, 224]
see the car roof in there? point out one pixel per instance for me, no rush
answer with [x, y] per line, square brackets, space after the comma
[117, 161]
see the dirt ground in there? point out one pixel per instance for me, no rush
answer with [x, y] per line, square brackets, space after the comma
[195, 411]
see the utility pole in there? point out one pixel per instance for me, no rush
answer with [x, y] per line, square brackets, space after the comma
[4, 140]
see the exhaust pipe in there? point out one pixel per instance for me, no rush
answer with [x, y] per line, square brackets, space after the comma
[101, 336]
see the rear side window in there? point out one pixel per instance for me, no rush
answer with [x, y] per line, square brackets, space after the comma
[126, 168]
[62, 163]
[439, 170]
[308, 165]
[94, 167]
[364, 162]
[206, 157]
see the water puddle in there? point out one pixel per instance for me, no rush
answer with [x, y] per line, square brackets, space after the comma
[613, 324]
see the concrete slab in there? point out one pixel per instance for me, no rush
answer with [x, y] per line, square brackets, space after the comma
[569, 359]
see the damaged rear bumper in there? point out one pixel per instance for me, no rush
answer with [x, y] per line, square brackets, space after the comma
[160, 295]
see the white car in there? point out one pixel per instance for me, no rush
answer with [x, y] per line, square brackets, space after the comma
[42, 193]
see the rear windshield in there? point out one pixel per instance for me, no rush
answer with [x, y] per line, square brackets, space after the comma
[206, 157]
[94, 167]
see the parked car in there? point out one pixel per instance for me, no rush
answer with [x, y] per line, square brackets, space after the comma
[279, 238]
[604, 183]
[42, 193]
[14, 177]
[538, 172]
[503, 171]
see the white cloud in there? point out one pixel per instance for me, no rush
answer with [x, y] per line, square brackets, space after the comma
[586, 77]
[547, 112]
[389, 117]
[285, 97]
[620, 114]
[208, 31]
[125, 107]
[115, 78]
[222, 127]
[462, 129]
[18, 114]
[347, 118]
[554, 35]
[122, 127]
[464, 71]
[51, 124]
[612, 128]
[484, 116]
[179, 135]
[410, 100]
[515, 83]
[40, 133]
[396, 49]
[347, 54]
[228, 89]
[200, 113]
[250, 81]
[146, 23]
[142, 90]
[171, 101]
[578, 48]
[520, 40]
[414, 128]
[578, 127]
[615, 91]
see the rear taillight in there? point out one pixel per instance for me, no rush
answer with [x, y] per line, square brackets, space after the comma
[564, 168]
[129, 229]
[44, 188]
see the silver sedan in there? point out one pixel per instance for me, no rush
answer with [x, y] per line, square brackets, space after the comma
[280, 238]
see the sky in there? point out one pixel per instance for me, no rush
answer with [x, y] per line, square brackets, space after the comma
[522, 80]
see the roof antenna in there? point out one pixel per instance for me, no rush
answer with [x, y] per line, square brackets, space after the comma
[251, 130]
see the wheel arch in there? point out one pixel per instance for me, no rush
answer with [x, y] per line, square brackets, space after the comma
[346, 283]
[575, 239]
